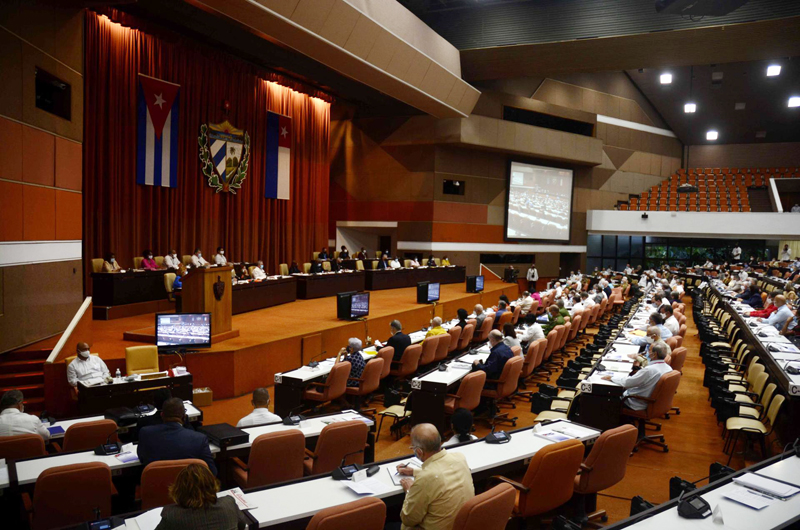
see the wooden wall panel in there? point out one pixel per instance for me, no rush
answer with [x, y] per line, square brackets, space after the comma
[38, 156]
[68, 165]
[10, 211]
[68, 215]
[11, 154]
[39, 213]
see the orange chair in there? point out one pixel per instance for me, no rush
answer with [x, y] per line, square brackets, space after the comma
[367, 514]
[455, 336]
[515, 317]
[468, 395]
[550, 479]
[57, 502]
[604, 467]
[488, 511]
[368, 383]
[274, 457]
[505, 387]
[21, 446]
[157, 477]
[466, 336]
[408, 364]
[552, 340]
[335, 442]
[658, 404]
[429, 346]
[88, 435]
[333, 388]
[387, 354]
[506, 317]
[442, 348]
[483, 333]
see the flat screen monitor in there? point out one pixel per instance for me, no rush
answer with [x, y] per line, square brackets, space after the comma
[359, 305]
[183, 330]
[474, 284]
[343, 305]
[427, 292]
[538, 203]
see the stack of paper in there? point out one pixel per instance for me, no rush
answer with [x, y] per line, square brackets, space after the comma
[244, 502]
[749, 498]
[766, 485]
[370, 486]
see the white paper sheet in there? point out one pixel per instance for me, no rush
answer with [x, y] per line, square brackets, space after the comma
[371, 486]
[749, 498]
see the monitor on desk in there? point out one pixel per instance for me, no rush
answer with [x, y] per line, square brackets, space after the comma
[352, 305]
[183, 330]
[474, 284]
[427, 292]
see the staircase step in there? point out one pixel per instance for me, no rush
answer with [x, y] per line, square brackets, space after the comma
[26, 355]
[21, 378]
[33, 404]
[32, 391]
[13, 367]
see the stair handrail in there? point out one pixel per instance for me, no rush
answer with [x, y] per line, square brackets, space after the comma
[85, 306]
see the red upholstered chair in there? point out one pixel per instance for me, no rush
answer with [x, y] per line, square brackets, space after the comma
[69, 495]
[442, 348]
[333, 387]
[549, 481]
[369, 382]
[505, 387]
[455, 335]
[504, 318]
[88, 435]
[274, 457]
[157, 477]
[366, 514]
[387, 354]
[672, 342]
[335, 441]
[515, 317]
[429, 346]
[21, 446]
[658, 404]
[408, 364]
[483, 333]
[605, 466]
[488, 511]
[466, 336]
[468, 395]
[552, 340]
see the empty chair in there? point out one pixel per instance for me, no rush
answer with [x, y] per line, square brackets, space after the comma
[455, 335]
[604, 467]
[88, 435]
[488, 511]
[408, 364]
[57, 502]
[157, 477]
[334, 386]
[466, 336]
[549, 481]
[468, 395]
[753, 427]
[429, 346]
[387, 354]
[336, 443]
[442, 347]
[515, 317]
[141, 360]
[368, 383]
[274, 457]
[21, 446]
[367, 514]
[504, 318]
[483, 333]
[505, 387]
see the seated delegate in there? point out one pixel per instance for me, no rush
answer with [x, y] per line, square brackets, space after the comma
[219, 258]
[399, 340]
[14, 421]
[431, 261]
[343, 253]
[110, 263]
[436, 328]
[352, 354]
[294, 269]
[499, 353]
[198, 261]
[643, 382]
[148, 263]
[86, 367]
[258, 272]
[261, 413]
[323, 255]
[171, 261]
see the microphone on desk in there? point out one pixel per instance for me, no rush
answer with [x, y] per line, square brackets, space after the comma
[109, 448]
[344, 472]
[313, 363]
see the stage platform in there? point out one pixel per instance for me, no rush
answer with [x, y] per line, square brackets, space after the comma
[284, 337]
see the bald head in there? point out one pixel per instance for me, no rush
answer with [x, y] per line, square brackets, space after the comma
[495, 336]
[173, 410]
[437, 322]
[779, 300]
[426, 438]
[654, 332]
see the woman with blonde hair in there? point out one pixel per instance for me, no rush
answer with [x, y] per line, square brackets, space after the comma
[196, 503]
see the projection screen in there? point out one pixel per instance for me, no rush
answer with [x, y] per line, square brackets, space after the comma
[539, 202]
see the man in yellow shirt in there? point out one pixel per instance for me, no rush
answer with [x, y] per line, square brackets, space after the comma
[436, 328]
[439, 489]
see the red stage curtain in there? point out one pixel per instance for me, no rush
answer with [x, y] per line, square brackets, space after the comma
[125, 218]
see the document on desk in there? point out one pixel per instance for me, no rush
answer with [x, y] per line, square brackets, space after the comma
[244, 502]
[397, 477]
[749, 498]
[766, 485]
[148, 520]
[370, 486]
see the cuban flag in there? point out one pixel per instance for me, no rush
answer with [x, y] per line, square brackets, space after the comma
[279, 148]
[157, 133]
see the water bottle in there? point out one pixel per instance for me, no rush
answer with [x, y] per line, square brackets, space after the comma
[118, 376]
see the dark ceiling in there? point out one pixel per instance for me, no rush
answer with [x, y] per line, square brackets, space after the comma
[765, 100]
[470, 24]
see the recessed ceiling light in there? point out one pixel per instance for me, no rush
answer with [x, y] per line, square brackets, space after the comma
[689, 108]
[773, 70]
[739, 106]
[666, 79]
[794, 101]
[712, 135]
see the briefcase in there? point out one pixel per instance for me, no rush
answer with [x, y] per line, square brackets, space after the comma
[121, 416]
[224, 435]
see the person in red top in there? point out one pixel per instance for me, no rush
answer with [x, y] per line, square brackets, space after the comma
[148, 263]
[769, 306]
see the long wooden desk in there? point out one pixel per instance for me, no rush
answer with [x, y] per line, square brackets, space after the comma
[398, 278]
[328, 284]
[253, 295]
[98, 399]
[116, 288]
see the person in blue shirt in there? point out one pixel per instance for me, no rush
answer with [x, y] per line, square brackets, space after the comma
[656, 320]
[324, 254]
[779, 317]
[501, 308]
[499, 354]
[383, 264]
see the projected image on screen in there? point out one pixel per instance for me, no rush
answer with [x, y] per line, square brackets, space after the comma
[539, 202]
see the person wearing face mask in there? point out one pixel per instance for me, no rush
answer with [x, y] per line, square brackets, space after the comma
[769, 306]
[197, 259]
[646, 344]
[85, 367]
[644, 381]
[177, 284]
[148, 263]
[258, 272]
[110, 264]
[14, 421]
[171, 261]
[219, 258]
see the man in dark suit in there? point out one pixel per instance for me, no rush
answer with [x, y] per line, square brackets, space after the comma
[499, 354]
[501, 308]
[399, 340]
[383, 264]
[171, 441]
[337, 265]
[316, 267]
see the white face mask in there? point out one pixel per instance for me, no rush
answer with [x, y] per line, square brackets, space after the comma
[261, 267]
[150, 256]
[112, 260]
[222, 252]
[199, 254]
[83, 354]
[649, 340]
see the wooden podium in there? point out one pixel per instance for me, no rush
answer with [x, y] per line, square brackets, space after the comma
[210, 291]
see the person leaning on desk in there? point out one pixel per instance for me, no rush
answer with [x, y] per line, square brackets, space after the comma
[399, 340]
[643, 382]
[86, 367]
[14, 421]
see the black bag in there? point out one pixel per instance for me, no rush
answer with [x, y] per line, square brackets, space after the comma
[548, 390]
[717, 471]
[638, 505]
[540, 402]
[569, 382]
[224, 435]
[391, 397]
[678, 486]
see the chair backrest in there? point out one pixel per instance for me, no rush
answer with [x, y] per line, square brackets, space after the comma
[374, 265]
[550, 477]
[337, 381]
[21, 446]
[326, 265]
[97, 265]
[593, 315]
[488, 511]
[169, 279]
[306, 267]
[769, 393]
[429, 346]
[563, 334]
[371, 376]
[672, 342]
[442, 347]
[378, 254]
[57, 502]
[486, 327]
[141, 359]
[88, 435]
[534, 307]
[407, 263]
[276, 457]
[186, 259]
[314, 255]
[284, 269]
[509, 378]
[470, 390]
[387, 354]
[455, 334]
[515, 317]
[368, 513]
[663, 394]
[552, 340]
[504, 318]
[541, 347]
[410, 360]
[608, 459]
[516, 350]
[159, 261]
[760, 383]
[530, 359]
[576, 325]
[682, 329]
[677, 359]
[137, 262]
[337, 440]
[157, 477]
[359, 265]
[466, 336]
[774, 408]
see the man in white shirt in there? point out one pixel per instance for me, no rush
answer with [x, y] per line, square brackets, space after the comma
[779, 317]
[796, 208]
[395, 263]
[786, 254]
[577, 306]
[532, 276]
[258, 271]
[219, 258]
[531, 333]
[85, 367]
[525, 303]
[644, 381]
[261, 413]
[743, 276]
[197, 259]
[171, 261]
[558, 289]
[736, 253]
[586, 300]
[628, 269]
[670, 322]
[14, 421]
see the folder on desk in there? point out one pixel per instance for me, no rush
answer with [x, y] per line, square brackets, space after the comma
[54, 431]
[766, 485]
